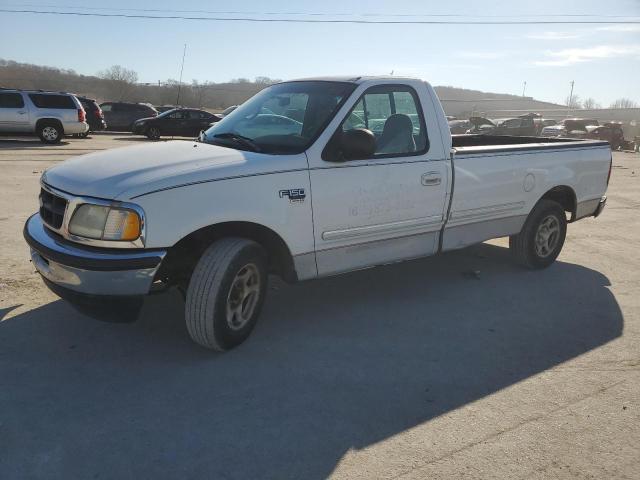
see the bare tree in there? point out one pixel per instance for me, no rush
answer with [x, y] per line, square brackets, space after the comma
[624, 103]
[121, 79]
[266, 81]
[200, 92]
[590, 103]
[574, 102]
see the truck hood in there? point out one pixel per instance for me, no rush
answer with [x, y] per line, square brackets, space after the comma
[127, 172]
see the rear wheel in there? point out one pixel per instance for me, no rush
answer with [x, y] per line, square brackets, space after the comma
[226, 293]
[49, 132]
[542, 237]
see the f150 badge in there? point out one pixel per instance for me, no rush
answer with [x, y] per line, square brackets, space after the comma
[295, 195]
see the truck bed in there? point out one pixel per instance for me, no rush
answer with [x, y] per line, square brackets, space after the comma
[505, 143]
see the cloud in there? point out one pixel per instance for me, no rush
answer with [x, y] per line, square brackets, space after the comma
[555, 35]
[620, 28]
[571, 56]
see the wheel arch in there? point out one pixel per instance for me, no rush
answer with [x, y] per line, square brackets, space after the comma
[49, 120]
[565, 196]
[182, 257]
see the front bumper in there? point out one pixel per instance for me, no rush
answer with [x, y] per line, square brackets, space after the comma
[139, 128]
[601, 205]
[90, 271]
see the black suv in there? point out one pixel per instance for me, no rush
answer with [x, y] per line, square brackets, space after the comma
[181, 122]
[94, 115]
[121, 115]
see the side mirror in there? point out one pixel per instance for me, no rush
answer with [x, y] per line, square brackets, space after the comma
[358, 144]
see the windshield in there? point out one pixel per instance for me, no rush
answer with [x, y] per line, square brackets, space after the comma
[285, 118]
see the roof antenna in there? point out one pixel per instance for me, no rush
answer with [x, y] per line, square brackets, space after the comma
[391, 73]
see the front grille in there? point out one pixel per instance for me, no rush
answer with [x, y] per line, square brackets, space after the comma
[52, 208]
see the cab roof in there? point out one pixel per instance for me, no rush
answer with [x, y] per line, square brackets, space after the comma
[353, 79]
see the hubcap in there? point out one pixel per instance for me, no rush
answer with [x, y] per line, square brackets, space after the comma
[50, 133]
[547, 236]
[155, 133]
[243, 296]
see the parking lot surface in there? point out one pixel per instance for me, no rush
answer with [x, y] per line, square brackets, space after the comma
[461, 365]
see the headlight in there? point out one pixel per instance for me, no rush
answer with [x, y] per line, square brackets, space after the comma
[105, 223]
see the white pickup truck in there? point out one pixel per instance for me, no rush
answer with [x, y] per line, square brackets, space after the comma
[306, 179]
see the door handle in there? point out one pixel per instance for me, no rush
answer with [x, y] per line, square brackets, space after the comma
[21, 112]
[431, 179]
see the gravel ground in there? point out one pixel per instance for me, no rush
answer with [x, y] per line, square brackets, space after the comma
[457, 365]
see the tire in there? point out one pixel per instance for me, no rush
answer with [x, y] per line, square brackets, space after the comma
[153, 133]
[541, 239]
[226, 293]
[50, 132]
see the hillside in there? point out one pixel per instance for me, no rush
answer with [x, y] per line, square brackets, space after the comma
[217, 96]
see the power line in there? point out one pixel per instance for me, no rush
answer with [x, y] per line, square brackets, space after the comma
[324, 21]
[325, 14]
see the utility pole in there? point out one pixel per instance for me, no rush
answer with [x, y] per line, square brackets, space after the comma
[524, 87]
[184, 52]
[570, 99]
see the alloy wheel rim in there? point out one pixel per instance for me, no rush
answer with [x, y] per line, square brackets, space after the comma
[243, 296]
[547, 236]
[49, 133]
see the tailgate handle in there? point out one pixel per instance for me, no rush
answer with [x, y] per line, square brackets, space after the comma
[431, 178]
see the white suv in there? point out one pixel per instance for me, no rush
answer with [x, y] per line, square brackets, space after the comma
[50, 115]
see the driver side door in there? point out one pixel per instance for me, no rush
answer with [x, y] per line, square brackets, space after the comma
[386, 208]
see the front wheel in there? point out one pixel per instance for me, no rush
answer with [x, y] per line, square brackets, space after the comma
[153, 133]
[542, 237]
[226, 293]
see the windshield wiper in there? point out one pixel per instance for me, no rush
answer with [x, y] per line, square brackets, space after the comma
[246, 141]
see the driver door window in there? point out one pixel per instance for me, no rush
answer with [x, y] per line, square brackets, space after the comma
[393, 116]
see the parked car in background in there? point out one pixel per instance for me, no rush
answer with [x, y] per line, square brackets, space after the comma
[165, 108]
[456, 127]
[481, 125]
[520, 126]
[120, 116]
[50, 115]
[94, 116]
[611, 132]
[180, 122]
[228, 110]
[540, 123]
[569, 127]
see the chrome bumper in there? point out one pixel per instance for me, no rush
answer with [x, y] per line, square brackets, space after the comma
[90, 270]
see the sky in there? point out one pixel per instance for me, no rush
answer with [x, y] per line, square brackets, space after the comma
[603, 60]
